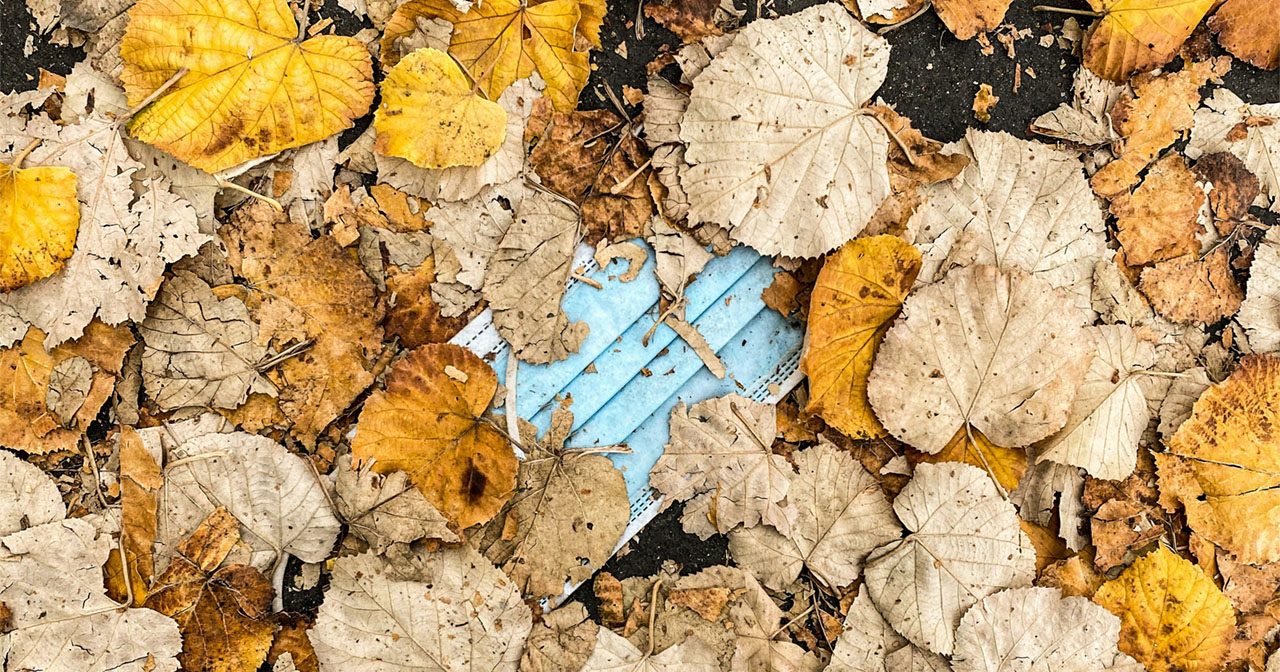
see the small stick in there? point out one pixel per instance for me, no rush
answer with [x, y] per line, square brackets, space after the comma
[22, 156]
[653, 614]
[911, 157]
[513, 371]
[1064, 10]
[173, 79]
[586, 281]
[227, 184]
[617, 188]
[291, 351]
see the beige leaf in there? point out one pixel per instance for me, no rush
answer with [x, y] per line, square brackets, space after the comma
[69, 383]
[868, 644]
[1086, 119]
[387, 615]
[200, 351]
[720, 459]
[28, 497]
[1045, 485]
[677, 256]
[526, 280]
[966, 18]
[615, 654]
[779, 148]
[964, 543]
[1260, 312]
[763, 644]
[466, 236]
[843, 516]
[1018, 205]
[1181, 398]
[562, 642]
[385, 510]
[982, 348]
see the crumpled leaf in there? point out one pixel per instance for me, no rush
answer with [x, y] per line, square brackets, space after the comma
[1193, 289]
[140, 482]
[842, 516]
[28, 497]
[1087, 119]
[416, 319]
[465, 236]
[275, 495]
[1250, 31]
[982, 348]
[966, 18]
[430, 115]
[1038, 630]
[720, 460]
[221, 610]
[779, 148]
[527, 277]
[562, 642]
[39, 218]
[964, 543]
[502, 41]
[569, 510]
[616, 654]
[1250, 132]
[60, 619]
[1138, 35]
[858, 293]
[1110, 411]
[385, 614]
[1050, 485]
[385, 510]
[1018, 205]
[428, 423]
[1223, 464]
[1160, 219]
[200, 351]
[678, 257]
[252, 90]
[763, 644]
[1260, 312]
[1172, 617]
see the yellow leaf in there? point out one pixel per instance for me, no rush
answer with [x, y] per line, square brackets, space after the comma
[428, 424]
[858, 292]
[501, 41]
[1223, 464]
[1172, 616]
[39, 220]
[1005, 465]
[253, 89]
[430, 116]
[1138, 35]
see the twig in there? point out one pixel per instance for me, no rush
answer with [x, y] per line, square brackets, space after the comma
[1160, 374]
[789, 623]
[289, 352]
[503, 431]
[207, 455]
[227, 184]
[1064, 10]
[173, 79]
[306, 20]
[617, 188]
[911, 156]
[97, 476]
[920, 12]
[586, 281]
[513, 371]
[653, 614]
[124, 567]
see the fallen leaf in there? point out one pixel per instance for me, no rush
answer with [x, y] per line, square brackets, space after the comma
[963, 544]
[1038, 630]
[1250, 132]
[1121, 527]
[377, 610]
[465, 236]
[763, 642]
[561, 642]
[690, 20]
[385, 510]
[292, 641]
[252, 89]
[1258, 314]
[429, 424]
[502, 41]
[858, 293]
[1159, 220]
[678, 257]
[1234, 188]
[1005, 465]
[1134, 36]
[984, 349]
[966, 18]
[39, 218]
[430, 115]
[1220, 463]
[1193, 289]
[28, 497]
[720, 459]
[615, 654]
[1180, 399]
[842, 516]
[220, 609]
[776, 178]
[1250, 31]
[983, 102]
[1172, 617]
[866, 641]
[1086, 120]
[140, 481]
[415, 318]
[1052, 492]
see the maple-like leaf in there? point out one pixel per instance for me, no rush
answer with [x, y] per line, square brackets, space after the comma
[446, 610]
[1038, 630]
[252, 89]
[1172, 616]
[430, 116]
[982, 348]
[720, 459]
[966, 18]
[963, 543]
[858, 293]
[428, 423]
[502, 41]
[1250, 132]
[385, 510]
[221, 609]
[779, 147]
[1249, 30]
[39, 218]
[842, 516]
[1134, 36]
[1223, 464]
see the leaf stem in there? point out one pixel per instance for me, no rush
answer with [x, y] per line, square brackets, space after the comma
[920, 12]
[911, 156]
[17, 160]
[1064, 10]
[653, 614]
[173, 79]
[617, 188]
[227, 184]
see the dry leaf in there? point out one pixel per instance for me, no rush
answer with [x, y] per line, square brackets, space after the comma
[465, 236]
[384, 614]
[966, 18]
[1249, 30]
[720, 459]
[221, 609]
[416, 319]
[778, 145]
[1159, 220]
[1250, 132]
[430, 425]
[252, 90]
[858, 293]
[1119, 528]
[430, 115]
[1037, 630]
[982, 348]
[1087, 119]
[385, 510]
[1005, 465]
[140, 481]
[615, 654]
[1134, 36]
[1050, 484]
[690, 20]
[39, 218]
[1233, 190]
[1193, 289]
[963, 543]
[1258, 313]
[562, 642]
[763, 642]
[842, 516]
[1172, 617]
[28, 497]
[867, 644]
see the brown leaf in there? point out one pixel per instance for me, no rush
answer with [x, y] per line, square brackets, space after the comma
[1250, 30]
[562, 642]
[608, 590]
[415, 317]
[1234, 188]
[690, 20]
[1121, 527]
[966, 18]
[292, 639]
[1193, 290]
[1157, 221]
[140, 480]
[222, 611]
[620, 204]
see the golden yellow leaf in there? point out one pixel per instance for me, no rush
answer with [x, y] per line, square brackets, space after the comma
[430, 116]
[428, 424]
[858, 292]
[253, 88]
[501, 41]
[1223, 464]
[39, 220]
[1172, 616]
[1005, 465]
[1138, 35]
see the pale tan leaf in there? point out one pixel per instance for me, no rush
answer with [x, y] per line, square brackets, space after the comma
[615, 654]
[562, 642]
[385, 510]
[1260, 312]
[28, 497]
